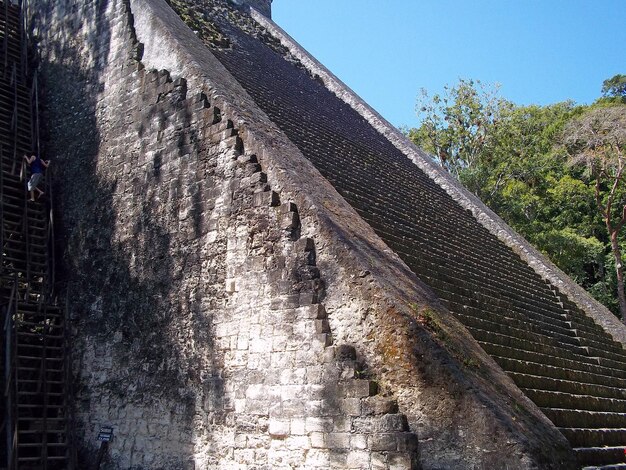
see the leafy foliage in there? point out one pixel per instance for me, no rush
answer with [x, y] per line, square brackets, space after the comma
[518, 160]
[614, 89]
[597, 140]
[457, 124]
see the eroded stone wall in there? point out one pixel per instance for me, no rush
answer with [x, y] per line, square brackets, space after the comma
[199, 332]
[229, 309]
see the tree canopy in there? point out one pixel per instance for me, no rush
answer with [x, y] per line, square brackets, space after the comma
[597, 140]
[615, 87]
[457, 124]
[534, 166]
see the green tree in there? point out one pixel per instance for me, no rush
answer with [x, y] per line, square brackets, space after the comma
[456, 124]
[615, 88]
[513, 163]
[520, 151]
[597, 140]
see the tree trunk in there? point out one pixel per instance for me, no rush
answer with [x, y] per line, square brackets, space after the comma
[620, 275]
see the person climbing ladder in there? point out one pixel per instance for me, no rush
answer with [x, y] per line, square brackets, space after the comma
[36, 169]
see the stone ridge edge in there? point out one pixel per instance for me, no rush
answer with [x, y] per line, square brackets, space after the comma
[485, 216]
[192, 63]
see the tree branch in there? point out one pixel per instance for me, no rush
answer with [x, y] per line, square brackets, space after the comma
[620, 224]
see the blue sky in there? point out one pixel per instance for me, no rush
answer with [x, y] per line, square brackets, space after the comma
[539, 51]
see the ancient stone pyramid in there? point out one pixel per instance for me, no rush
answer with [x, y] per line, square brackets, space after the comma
[266, 274]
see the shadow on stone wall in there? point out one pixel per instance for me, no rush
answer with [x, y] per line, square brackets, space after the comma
[124, 299]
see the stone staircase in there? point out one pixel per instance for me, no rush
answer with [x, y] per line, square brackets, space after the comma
[371, 421]
[568, 365]
[355, 425]
[33, 370]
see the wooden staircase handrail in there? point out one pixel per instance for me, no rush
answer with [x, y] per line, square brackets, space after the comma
[32, 306]
[2, 235]
[8, 393]
[6, 36]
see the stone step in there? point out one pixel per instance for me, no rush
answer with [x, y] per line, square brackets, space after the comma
[617, 367]
[576, 314]
[616, 466]
[566, 418]
[498, 266]
[485, 308]
[567, 386]
[595, 437]
[580, 320]
[600, 455]
[487, 337]
[358, 388]
[498, 306]
[494, 281]
[619, 358]
[536, 324]
[378, 405]
[512, 328]
[596, 337]
[527, 311]
[530, 296]
[467, 240]
[577, 363]
[552, 399]
[590, 375]
[436, 253]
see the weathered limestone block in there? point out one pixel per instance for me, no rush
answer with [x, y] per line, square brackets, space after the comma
[200, 249]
